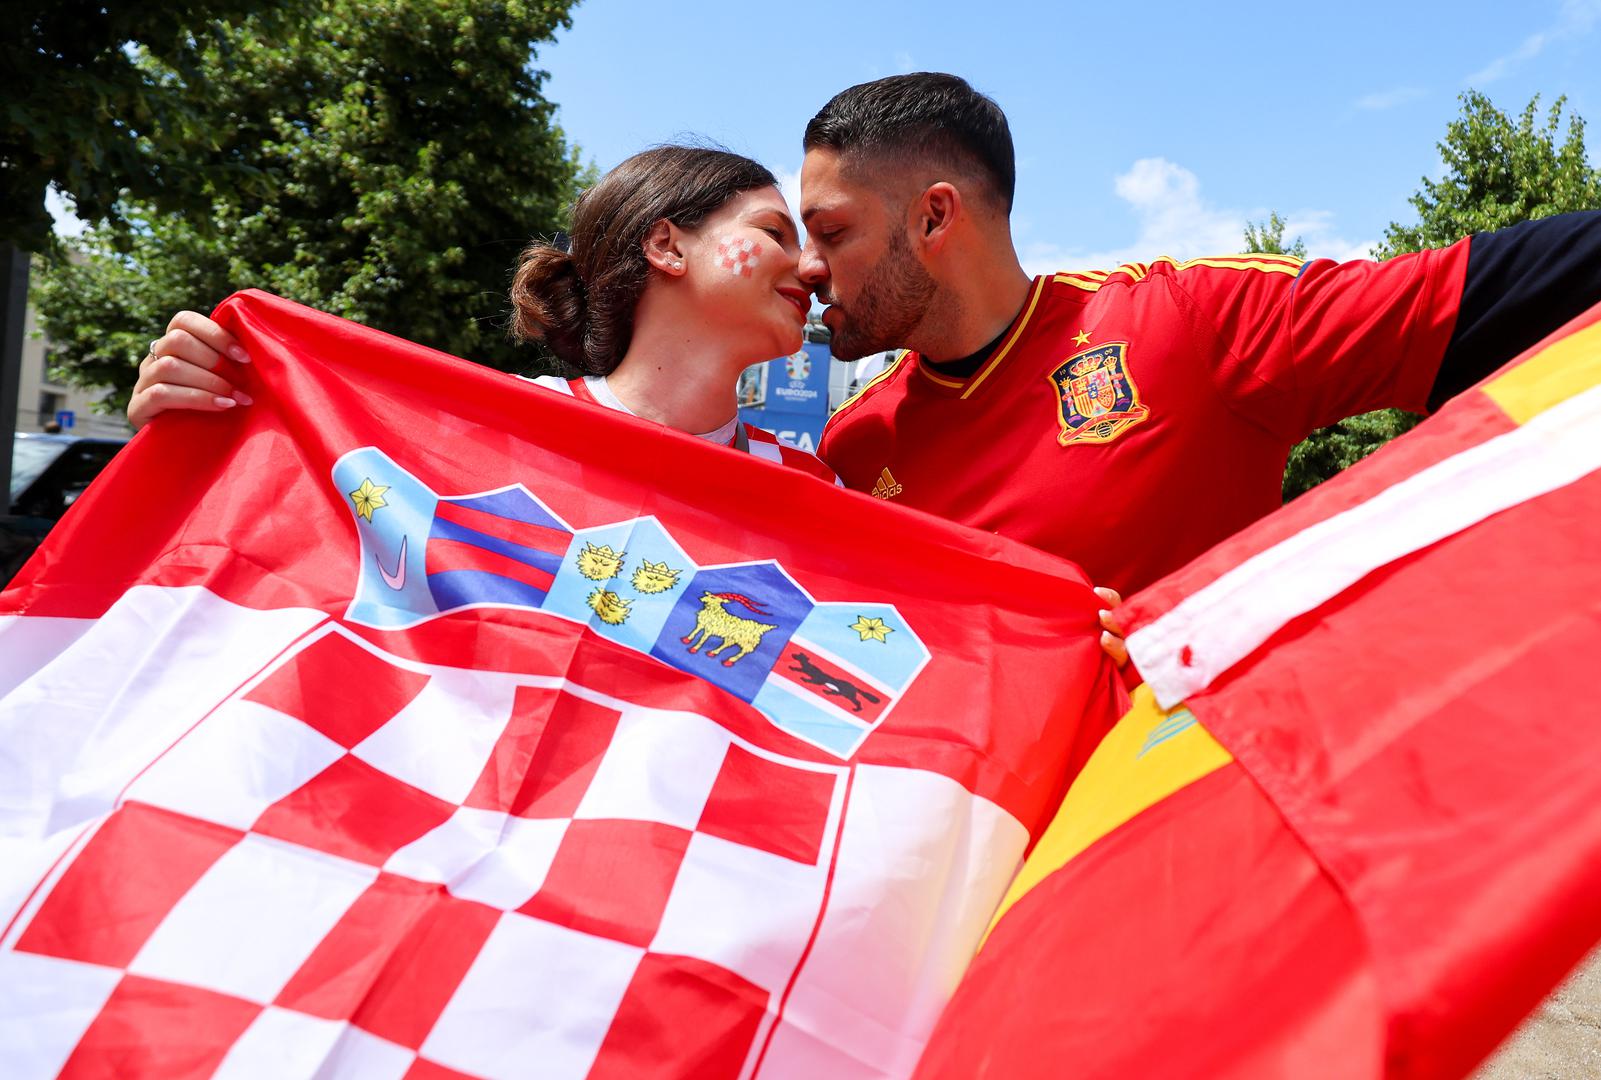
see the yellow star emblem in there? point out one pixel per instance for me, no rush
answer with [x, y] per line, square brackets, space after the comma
[872, 629]
[1081, 338]
[368, 497]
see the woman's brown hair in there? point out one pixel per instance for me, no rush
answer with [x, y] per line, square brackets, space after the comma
[580, 302]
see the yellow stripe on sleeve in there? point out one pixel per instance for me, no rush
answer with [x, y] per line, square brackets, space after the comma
[1290, 266]
[1088, 281]
[1146, 757]
[1551, 376]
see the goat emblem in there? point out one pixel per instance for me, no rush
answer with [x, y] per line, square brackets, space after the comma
[715, 621]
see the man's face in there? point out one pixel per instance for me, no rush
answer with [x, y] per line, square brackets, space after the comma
[859, 260]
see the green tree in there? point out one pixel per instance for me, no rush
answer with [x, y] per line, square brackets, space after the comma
[1500, 170]
[85, 113]
[407, 153]
[82, 114]
[1268, 238]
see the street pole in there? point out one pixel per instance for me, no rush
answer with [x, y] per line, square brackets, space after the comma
[13, 325]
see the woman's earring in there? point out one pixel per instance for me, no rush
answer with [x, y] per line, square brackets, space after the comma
[677, 265]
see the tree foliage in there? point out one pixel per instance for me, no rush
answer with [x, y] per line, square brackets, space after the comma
[83, 112]
[1268, 238]
[407, 156]
[1499, 170]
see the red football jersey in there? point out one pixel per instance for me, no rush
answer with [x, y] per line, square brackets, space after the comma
[1132, 419]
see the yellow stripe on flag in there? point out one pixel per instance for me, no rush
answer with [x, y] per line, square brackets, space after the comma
[1551, 376]
[1146, 757]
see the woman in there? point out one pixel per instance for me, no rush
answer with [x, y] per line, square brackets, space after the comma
[681, 273]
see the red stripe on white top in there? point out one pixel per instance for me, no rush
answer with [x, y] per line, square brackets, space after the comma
[763, 444]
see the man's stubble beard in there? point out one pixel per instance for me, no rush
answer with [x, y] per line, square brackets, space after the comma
[892, 303]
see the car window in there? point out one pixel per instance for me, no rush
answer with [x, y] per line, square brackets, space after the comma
[29, 458]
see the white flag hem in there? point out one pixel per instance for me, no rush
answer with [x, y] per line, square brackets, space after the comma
[1215, 628]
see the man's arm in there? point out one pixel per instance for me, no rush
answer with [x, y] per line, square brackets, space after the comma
[1522, 283]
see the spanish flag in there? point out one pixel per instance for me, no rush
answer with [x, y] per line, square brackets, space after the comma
[1352, 825]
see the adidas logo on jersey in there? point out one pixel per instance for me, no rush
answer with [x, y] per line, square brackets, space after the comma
[886, 487]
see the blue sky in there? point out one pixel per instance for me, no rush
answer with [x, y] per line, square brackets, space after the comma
[1141, 129]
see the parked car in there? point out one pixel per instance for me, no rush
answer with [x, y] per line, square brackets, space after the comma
[48, 473]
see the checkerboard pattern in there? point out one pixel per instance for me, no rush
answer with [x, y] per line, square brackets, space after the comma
[366, 866]
[738, 256]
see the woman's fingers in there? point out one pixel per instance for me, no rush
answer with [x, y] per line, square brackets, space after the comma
[182, 345]
[184, 370]
[1111, 633]
[156, 398]
[173, 370]
[199, 328]
[1113, 645]
[1111, 598]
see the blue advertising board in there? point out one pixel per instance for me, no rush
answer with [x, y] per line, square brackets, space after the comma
[788, 396]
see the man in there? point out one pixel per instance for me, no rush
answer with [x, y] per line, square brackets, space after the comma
[1127, 420]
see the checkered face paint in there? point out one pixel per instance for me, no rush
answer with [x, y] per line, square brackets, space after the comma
[737, 255]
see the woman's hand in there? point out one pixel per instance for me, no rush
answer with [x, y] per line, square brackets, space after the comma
[1112, 634]
[180, 371]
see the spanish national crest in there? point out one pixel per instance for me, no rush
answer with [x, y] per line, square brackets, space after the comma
[825, 673]
[1097, 398]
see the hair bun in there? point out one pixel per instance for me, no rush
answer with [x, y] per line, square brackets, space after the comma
[549, 303]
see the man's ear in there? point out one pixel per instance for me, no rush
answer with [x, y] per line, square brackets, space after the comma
[937, 210]
[664, 248]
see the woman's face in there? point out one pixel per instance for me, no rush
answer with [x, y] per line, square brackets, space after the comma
[742, 264]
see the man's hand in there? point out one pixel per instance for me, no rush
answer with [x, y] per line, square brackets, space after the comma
[181, 370]
[1111, 632]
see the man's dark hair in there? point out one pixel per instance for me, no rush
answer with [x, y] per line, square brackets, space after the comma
[927, 115]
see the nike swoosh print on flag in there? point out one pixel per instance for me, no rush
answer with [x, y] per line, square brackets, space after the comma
[442, 725]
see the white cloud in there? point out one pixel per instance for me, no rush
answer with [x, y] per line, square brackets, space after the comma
[1389, 99]
[1174, 218]
[1577, 17]
[904, 63]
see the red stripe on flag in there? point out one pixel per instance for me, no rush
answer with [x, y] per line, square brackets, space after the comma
[611, 878]
[423, 1069]
[151, 1028]
[525, 533]
[445, 555]
[351, 960]
[340, 689]
[424, 969]
[726, 1010]
[354, 810]
[769, 805]
[546, 757]
[139, 864]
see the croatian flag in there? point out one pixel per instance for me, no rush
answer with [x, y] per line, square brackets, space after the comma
[419, 722]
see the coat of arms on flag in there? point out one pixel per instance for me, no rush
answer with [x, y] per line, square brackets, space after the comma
[825, 673]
